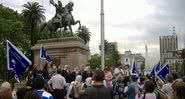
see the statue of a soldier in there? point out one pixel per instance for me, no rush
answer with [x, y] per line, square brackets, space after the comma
[63, 18]
[59, 11]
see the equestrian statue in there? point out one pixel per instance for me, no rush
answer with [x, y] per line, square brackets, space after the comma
[63, 18]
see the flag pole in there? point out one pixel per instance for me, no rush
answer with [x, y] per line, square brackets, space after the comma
[102, 36]
[6, 66]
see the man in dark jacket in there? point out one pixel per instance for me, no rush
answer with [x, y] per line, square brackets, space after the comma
[98, 90]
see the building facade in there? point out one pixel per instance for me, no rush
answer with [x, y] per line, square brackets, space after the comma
[168, 45]
[128, 57]
[175, 60]
[169, 52]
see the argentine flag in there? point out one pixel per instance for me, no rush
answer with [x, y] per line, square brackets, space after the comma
[44, 55]
[16, 60]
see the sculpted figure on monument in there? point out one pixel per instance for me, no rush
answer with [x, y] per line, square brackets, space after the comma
[63, 18]
[59, 11]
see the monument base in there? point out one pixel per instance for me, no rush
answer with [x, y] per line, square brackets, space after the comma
[69, 51]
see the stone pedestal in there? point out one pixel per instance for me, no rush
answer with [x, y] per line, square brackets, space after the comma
[69, 51]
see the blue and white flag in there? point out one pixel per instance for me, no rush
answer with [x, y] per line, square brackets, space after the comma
[45, 56]
[134, 69]
[164, 72]
[155, 70]
[152, 73]
[16, 60]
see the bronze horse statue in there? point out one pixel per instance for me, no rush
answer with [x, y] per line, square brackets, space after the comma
[65, 21]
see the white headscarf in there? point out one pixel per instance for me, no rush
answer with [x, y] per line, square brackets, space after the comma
[5, 85]
[78, 78]
[88, 81]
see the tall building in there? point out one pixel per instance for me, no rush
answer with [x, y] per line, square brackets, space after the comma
[169, 52]
[168, 44]
[112, 47]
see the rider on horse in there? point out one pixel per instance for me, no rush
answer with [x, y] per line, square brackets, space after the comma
[59, 11]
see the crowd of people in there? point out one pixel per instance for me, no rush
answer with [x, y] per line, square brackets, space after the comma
[61, 83]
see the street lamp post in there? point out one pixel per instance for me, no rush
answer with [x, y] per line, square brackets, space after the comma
[102, 36]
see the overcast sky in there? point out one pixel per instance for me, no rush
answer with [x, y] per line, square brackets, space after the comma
[131, 23]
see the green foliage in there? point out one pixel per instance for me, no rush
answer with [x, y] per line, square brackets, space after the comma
[109, 60]
[183, 54]
[84, 34]
[33, 15]
[45, 34]
[106, 44]
[95, 61]
[112, 59]
[11, 28]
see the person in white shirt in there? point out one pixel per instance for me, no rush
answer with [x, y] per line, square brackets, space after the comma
[167, 88]
[58, 84]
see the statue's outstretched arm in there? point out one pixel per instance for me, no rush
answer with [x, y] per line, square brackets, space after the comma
[53, 3]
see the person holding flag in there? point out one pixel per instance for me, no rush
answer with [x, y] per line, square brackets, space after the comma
[133, 88]
[160, 81]
[17, 62]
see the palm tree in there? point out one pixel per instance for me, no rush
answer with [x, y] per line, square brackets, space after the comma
[33, 14]
[84, 34]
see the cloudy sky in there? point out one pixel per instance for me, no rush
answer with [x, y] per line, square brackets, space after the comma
[131, 23]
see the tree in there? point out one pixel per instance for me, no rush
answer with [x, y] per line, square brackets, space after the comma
[95, 61]
[11, 28]
[107, 46]
[116, 57]
[84, 34]
[111, 57]
[33, 14]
